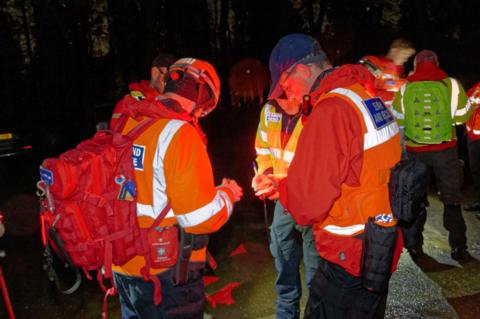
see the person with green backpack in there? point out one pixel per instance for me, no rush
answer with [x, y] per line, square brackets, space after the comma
[429, 106]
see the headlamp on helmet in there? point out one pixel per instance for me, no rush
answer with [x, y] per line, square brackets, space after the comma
[207, 82]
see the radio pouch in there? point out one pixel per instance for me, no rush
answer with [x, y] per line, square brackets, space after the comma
[180, 275]
[377, 256]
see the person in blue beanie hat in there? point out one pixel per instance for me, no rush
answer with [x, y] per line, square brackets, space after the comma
[295, 64]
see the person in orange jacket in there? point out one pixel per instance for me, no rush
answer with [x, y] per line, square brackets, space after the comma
[172, 168]
[338, 182]
[388, 70]
[146, 89]
[473, 145]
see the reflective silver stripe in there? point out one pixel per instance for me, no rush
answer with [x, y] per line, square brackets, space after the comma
[204, 213]
[147, 210]
[402, 91]
[398, 115]
[227, 201]
[464, 110]
[276, 152]
[288, 156]
[372, 137]
[262, 151]
[476, 132]
[345, 231]
[358, 101]
[454, 97]
[159, 185]
[375, 138]
[264, 136]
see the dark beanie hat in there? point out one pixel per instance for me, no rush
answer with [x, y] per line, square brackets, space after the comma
[426, 56]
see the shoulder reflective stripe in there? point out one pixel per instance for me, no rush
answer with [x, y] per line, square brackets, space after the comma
[348, 230]
[464, 110]
[147, 210]
[358, 101]
[454, 98]
[372, 137]
[159, 184]
[264, 137]
[398, 115]
[204, 213]
[262, 151]
[402, 91]
[476, 132]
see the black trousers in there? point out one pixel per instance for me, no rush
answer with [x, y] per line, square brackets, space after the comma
[474, 162]
[335, 294]
[448, 175]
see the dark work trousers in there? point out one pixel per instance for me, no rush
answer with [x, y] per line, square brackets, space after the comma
[448, 175]
[336, 294]
[474, 162]
[178, 302]
[289, 243]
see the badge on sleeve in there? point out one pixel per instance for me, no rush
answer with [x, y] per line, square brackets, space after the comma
[379, 113]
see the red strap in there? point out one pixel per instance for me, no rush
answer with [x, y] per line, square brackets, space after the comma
[160, 217]
[211, 261]
[145, 271]
[110, 292]
[157, 292]
[140, 128]
[43, 229]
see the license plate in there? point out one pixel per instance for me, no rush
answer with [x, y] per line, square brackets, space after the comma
[6, 136]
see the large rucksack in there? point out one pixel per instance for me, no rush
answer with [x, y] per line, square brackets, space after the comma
[89, 209]
[428, 112]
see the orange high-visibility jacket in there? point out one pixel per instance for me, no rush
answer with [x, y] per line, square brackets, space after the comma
[172, 165]
[340, 173]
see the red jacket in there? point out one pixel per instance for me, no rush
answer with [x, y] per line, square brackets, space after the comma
[339, 176]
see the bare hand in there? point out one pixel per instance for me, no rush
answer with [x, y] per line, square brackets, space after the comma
[260, 181]
[232, 185]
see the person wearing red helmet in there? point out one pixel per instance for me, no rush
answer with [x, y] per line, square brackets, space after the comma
[388, 70]
[473, 145]
[172, 169]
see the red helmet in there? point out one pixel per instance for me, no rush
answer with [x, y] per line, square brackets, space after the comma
[204, 74]
[385, 73]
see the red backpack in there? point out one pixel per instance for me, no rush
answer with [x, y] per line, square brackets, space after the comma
[89, 209]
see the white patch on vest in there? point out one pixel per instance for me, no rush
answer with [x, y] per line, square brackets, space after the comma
[273, 117]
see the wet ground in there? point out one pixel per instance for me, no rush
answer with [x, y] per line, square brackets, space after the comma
[434, 287]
